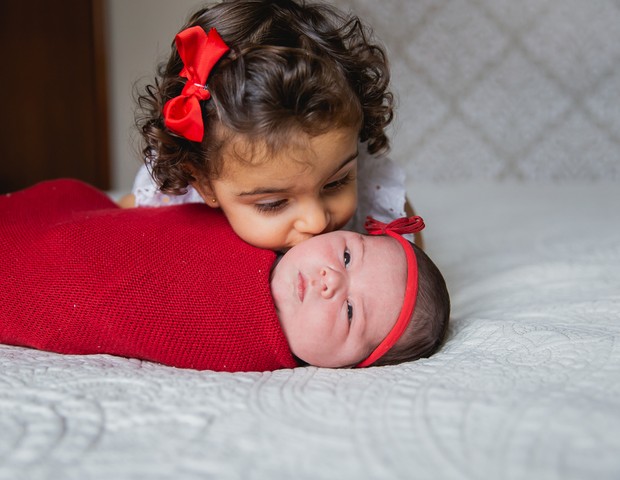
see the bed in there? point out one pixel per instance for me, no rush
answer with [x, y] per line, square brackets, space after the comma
[527, 384]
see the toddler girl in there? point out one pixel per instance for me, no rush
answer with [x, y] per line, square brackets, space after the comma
[78, 275]
[271, 111]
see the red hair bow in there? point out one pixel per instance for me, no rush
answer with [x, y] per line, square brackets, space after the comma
[199, 51]
[400, 225]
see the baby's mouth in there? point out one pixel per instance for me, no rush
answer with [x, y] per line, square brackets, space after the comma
[301, 287]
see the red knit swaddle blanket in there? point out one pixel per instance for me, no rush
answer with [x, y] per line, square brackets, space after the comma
[173, 285]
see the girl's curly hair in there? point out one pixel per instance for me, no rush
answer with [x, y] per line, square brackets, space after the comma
[292, 67]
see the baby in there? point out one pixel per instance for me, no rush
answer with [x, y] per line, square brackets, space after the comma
[338, 294]
[78, 275]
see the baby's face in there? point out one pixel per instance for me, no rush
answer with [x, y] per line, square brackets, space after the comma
[338, 295]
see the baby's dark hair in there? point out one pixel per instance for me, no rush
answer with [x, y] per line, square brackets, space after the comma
[292, 66]
[429, 323]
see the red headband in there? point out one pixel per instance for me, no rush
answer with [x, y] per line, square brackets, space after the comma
[395, 230]
[200, 52]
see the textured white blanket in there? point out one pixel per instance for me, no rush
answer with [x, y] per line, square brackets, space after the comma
[526, 387]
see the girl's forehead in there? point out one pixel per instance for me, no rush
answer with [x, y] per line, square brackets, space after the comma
[243, 150]
[299, 150]
[258, 165]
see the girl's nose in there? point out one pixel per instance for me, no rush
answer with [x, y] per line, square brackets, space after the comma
[313, 219]
[331, 282]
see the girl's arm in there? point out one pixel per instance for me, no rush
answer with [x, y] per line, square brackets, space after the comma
[127, 201]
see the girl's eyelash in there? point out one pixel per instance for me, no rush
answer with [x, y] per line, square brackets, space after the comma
[332, 187]
[349, 311]
[271, 207]
[341, 182]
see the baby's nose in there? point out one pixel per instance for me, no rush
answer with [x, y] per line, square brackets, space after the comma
[331, 282]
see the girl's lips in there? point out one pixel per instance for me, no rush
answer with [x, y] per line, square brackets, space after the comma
[301, 287]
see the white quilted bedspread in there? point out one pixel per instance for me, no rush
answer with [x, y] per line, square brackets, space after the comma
[527, 385]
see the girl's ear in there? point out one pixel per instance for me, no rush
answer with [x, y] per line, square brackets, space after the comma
[205, 190]
[203, 186]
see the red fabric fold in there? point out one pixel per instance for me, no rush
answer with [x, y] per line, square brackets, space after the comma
[173, 285]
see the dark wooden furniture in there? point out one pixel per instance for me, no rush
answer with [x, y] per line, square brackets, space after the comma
[53, 101]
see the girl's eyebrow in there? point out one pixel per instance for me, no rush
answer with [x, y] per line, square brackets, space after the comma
[346, 161]
[349, 159]
[271, 190]
[262, 191]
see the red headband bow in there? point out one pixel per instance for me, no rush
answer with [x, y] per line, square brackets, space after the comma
[396, 229]
[200, 52]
